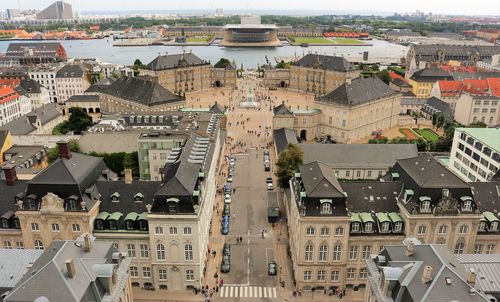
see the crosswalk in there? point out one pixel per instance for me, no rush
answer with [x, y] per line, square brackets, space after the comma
[248, 292]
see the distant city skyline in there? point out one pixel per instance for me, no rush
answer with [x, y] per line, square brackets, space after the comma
[477, 7]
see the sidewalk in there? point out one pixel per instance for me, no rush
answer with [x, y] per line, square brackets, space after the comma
[141, 295]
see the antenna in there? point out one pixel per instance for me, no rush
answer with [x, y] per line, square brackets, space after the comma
[19, 5]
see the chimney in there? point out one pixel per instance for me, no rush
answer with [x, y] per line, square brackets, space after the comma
[472, 278]
[87, 243]
[64, 150]
[10, 174]
[128, 176]
[410, 248]
[427, 274]
[70, 267]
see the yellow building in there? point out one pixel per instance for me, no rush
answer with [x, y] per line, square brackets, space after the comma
[5, 143]
[423, 81]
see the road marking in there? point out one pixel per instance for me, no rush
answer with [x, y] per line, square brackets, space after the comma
[246, 291]
[274, 292]
[260, 292]
[250, 292]
[265, 292]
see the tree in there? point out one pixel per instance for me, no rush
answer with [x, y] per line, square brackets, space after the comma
[477, 125]
[384, 76]
[131, 161]
[78, 121]
[434, 120]
[421, 145]
[288, 163]
[53, 153]
[222, 63]
[137, 64]
[440, 121]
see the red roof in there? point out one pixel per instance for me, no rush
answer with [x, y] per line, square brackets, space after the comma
[494, 84]
[450, 68]
[476, 87]
[13, 83]
[395, 75]
[7, 94]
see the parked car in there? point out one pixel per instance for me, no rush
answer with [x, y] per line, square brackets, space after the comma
[228, 188]
[225, 266]
[269, 182]
[231, 169]
[227, 199]
[226, 250]
[272, 268]
[224, 228]
[230, 177]
[225, 219]
[227, 209]
[266, 152]
[267, 167]
[232, 161]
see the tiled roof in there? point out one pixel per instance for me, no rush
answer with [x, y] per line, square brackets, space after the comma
[319, 180]
[30, 86]
[470, 86]
[282, 109]
[71, 71]
[174, 61]
[7, 94]
[14, 264]
[437, 105]
[325, 62]
[26, 124]
[431, 75]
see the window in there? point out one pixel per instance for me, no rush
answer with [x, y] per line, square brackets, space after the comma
[384, 227]
[335, 276]
[188, 252]
[35, 226]
[459, 248]
[351, 273]
[463, 229]
[146, 272]
[160, 251]
[355, 227]
[368, 227]
[347, 173]
[134, 272]
[55, 227]
[75, 227]
[337, 252]
[324, 231]
[19, 245]
[478, 248]
[310, 231]
[367, 250]
[339, 231]
[158, 230]
[482, 226]
[162, 274]
[173, 231]
[307, 275]
[144, 251]
[131, 250]
[308, 256]
[353, 252]
[467, 205]
[326, 208]
[422, 230]
[187, 231]
[7, 245]
[443, 229]
[369, 174]
[490, 249]
[189, 275]
[363, 273]
[323, 253]
[494, 226]
[425, 206]
[358, 174]
[38, 245]
[321, 275]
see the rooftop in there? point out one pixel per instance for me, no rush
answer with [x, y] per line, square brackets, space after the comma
[175, 61]
[14, 263]
[325, 62]
[488, 136]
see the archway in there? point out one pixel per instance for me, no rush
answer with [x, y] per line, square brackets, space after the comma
[282, 84]
[98, 110]
[91, 110]
[218, 84]
[84, 110]
[303, 135]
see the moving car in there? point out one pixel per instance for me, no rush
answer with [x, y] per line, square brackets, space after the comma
[230, 177]
[226, 250]
[269, 182]
[225, 265]
[272, 268]
[227, 199]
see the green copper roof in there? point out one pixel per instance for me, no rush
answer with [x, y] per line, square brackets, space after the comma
[116, 216]
[395, 217]
[488, 136]
[366, 217]
[355, 217]
[132, 216]
[139, 195]
[143, 216]
[103, 215]
[490, 216]
[382, 217]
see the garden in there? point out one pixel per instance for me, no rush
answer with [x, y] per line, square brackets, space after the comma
[428, 134]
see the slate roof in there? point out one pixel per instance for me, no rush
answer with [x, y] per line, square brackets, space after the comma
[431, 75]
[126, 203]
[319, 180]
[377, 156]
[100, 86]
[488, 268]
[80, 98]
[43, 49]
[139, 90]
[439, 106]
[487, 195]
[367, 196]
[400, 83]
[26, 124]
[217, 108]
[14, 264]
[282, 109]
[445, 266]
[282, 137]
[175, 61]
[71, 71]
[7, 202]
[358, 92]
[456, 50]
[30, 86]
[325, 62]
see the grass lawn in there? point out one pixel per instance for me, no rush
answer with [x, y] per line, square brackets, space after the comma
[202, 39]
[428, 134]
[345, 41]
[311, 40]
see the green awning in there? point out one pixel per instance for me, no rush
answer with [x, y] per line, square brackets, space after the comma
[366, 217]
[382, 217]
[303, 194]
[409, 192]
[325, 200]
[465, 198]
[139, 195]
[196, 193]
[116, 216]
[395, 217]
[132, 216]
[355, 217]
[143, 216]
[172, 199]
[490, 216]
[103, 215]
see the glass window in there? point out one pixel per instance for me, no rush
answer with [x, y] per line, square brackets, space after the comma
[162, 274]
[398, 227]
[35, 226]
[368, 227]
[353, 252]
[189, 275]
[323, 253]
[188, 252]
[146, 272]
[7, 245]
[75, 227]
[324, 231]
[187, 231]
[173, 231]
[425, 206]
[443, 229]
[134, 272]
[144, 251]
[20, 245]
[321, 275]
[337, 252]
[478, 248]
[467, 205]
[131, 250]
[55, 227]
[367, 250]
[459, 248]
[363, 273]
[307, 275]
[339, 231]
[158, 230]
[160, 251]
[38, 245]
[351, 274]
[355, 227]
[422, 230]
[326, 208]
[310, 231]
[335, 276]
[490, 249]
[463, 229]
[308, 256]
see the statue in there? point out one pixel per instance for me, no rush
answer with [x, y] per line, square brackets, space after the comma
[52, 203]
[446, 206]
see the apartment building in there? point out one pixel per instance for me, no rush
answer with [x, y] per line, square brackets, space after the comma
[478, 108]
[336, 225]
[423, 80]
[37, 94]
[46, 76]
[475, 153]
[12, 105]
[71, 80]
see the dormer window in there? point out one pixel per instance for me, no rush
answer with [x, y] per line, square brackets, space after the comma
[31, 202]
[99, 224]
[482, 226]
[5, 223]
[368, 227]
[494, 226]
[408, 195]
[384, 227]
[355, 227]
[139, 197]
[445, 193]
[115, 197]
[425, 204]
[129, 225]
[326, 206]
[466, 203]
[172, 205]
[71, 204]
[113, 225]
[398, 227]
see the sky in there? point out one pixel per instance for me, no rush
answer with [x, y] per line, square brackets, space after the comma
[462, 7]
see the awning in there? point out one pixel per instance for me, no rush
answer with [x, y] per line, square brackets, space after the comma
[132, 216]
[490, 216]
[395, 217]
[172, 199]
[366, 217]
[409, 192]
[116, 216]
[355, 217]
[382, 217]
[143, 216]
[297, 175]
[103, 215]
[395, 175]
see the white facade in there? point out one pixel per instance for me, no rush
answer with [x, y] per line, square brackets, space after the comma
[37, 100]
[68, 87]
[471, 109]
[46, 76]
[475, 153]
[12, 105]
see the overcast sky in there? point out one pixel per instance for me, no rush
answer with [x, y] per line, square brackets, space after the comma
[476, 7]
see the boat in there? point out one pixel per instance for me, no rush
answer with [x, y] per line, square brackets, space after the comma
[304, 44]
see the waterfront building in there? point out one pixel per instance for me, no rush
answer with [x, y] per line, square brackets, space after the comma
[71, 80]
[34, 53]
[427, 272]
[58, 10]
[475, 153]
[336, 225]
[250, 33]
[422, 81]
